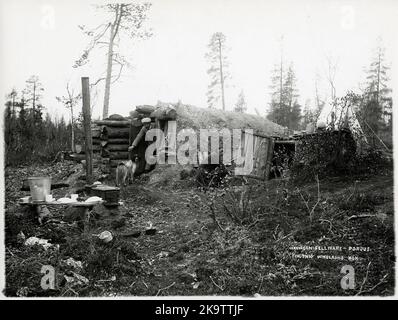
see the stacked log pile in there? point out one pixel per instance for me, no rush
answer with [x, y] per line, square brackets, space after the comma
[114, 138]
[160, 112]
[95, 133]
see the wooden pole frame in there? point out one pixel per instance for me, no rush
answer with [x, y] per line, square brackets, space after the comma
[87, 129]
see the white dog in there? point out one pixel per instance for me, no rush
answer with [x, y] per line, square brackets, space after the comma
[125, 171]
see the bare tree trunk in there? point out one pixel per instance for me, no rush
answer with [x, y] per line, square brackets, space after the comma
[34, 98]
[72, 120]
[378, 80]
[108, 75]
[87, 129]
[317, 101]
[13, 105]
[281, 82]
[114, 30]
[222, 76]
[332, 69]
[73, 128]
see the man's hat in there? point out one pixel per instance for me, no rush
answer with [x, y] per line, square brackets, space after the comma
[146, 120]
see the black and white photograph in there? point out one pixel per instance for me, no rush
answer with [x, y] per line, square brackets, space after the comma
[197, 149]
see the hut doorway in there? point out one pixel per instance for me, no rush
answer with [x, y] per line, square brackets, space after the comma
[263, 148]
[282, 158]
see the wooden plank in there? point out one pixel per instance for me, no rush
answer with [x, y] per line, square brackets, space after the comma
[262, 156]
[87, 128]
[270, 154]
[255, 155]
[265, 144]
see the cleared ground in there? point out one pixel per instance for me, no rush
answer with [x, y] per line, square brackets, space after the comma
[193, 254]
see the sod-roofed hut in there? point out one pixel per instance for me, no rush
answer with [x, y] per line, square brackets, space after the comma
[132, 130]
[206, 118]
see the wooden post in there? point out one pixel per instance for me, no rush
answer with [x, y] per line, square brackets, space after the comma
[87, 129]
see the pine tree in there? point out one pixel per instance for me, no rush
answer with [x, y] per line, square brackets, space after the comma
[218, 70]
[284, 108]
[319, 102]
[375, 111]
[377, 89]
[292, 108]
[125, 20]
[70, 101]
[241, 105]
[308, 115]
[276, 107]
[10, 122]
[33, 91]
[295, 116]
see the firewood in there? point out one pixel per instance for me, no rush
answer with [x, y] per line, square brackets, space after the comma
[145, 109]
[115, 141]
[96, 132]
[113, 123]
[116, 147]
[115, 132]
[164, 113]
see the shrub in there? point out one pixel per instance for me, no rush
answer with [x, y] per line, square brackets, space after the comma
[323, 154]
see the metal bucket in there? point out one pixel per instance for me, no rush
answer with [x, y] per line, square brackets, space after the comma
[40, 187]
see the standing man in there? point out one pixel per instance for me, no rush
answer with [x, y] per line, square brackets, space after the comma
[146, 124]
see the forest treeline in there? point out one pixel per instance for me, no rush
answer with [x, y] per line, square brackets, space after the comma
[372, 106]
[30, 133]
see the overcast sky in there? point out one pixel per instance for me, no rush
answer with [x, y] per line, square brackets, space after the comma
[43, 38]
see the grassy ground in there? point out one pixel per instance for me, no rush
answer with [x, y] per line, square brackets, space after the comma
[244, 246]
